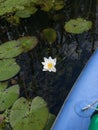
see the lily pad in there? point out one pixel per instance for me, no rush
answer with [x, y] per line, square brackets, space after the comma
[8, 69]
[78, 25]
[7, 6]
[49, 34]
[20, 109]
[28, 43]
[10, 49]
[27, 12]
[8, 97]
[58, 4]
[40, 113]
[26, 115]
[45, 5]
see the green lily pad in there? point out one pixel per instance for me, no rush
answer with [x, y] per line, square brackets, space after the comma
[45, 5]
[49, 34]
[7, 6]
[40, 113]
[27, 12]
[8, 97]
[10, 49]
[27, 115]
[28, 43]
[58, 4]
[8, 69]
[20, 109]
[78, 25]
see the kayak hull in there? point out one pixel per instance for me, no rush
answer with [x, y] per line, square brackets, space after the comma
[83, 93]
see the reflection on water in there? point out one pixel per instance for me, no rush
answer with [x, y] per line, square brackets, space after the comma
[72, 53]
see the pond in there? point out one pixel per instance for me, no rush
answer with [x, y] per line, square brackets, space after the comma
[71, 50]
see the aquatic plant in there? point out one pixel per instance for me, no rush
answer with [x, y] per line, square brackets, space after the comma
[27, 114]
[8, 69]
[49, 64]
[10, 49]
[50, 4]
[12, 10]
[9, 6]
[77, 26]
[49, 35]
[14, 48]
[26, 12]
[8, 96]
[27, 43]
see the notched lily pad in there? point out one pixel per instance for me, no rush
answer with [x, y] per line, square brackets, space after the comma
[28, 43]
[29, 114]
[77, 26]
[8, 97]
[10, 49]
[8, 69]
[49, 34]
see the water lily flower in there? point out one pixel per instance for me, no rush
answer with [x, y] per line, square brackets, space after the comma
[49, 64]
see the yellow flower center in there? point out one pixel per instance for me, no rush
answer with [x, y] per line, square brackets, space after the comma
[50, 65]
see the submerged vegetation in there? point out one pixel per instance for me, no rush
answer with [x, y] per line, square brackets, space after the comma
[33, 30]
[20, 113]
[11, 49]
[13, 10]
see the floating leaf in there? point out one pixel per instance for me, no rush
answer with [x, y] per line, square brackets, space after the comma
[45, 5]
[27, 12]
[27, 115]
[7, 6]
[58, 4]
[50, 35]
[78, 25]
[28, 43]
[20, 109]
[8, 69]
[10, 49]
[40, 113]
[8, 97]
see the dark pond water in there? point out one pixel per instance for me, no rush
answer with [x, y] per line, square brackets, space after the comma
[72, 52]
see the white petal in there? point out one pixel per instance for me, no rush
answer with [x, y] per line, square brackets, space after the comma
[44, 69]
[45, 59]
[50, 58]
[45, 66]
[55, 60]
[43, 63]
[54, 69]
[49, 70]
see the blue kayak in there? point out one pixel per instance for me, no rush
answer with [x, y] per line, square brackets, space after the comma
[84, 92]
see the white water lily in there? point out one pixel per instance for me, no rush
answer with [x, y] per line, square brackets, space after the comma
[49, 64]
